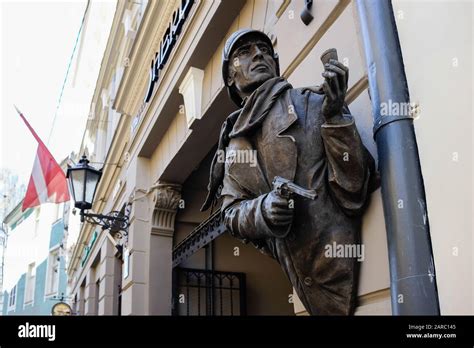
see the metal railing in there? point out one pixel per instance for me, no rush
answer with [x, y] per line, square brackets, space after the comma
[204, 292]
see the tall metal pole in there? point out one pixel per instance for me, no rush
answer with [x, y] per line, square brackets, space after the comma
[412, 272]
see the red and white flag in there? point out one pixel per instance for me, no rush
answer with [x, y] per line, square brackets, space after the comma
[47, 182]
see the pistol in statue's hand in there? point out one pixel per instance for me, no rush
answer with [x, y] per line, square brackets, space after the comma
[336, 76]
[276, 206]
[287, 188]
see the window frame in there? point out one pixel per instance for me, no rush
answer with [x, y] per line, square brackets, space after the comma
[53, 254]
[12, 295]
[30, 282]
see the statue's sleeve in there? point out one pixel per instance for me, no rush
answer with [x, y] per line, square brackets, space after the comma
[242, 214]
[350, 165]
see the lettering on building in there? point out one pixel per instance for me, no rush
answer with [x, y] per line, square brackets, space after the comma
[167, 43]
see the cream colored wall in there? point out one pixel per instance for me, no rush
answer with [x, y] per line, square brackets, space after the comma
[269, 291]
[173, 139]
[294, 39]
[434, 37]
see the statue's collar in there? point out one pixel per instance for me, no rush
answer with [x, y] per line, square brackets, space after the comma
[258, 105]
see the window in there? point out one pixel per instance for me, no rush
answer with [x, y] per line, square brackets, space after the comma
[12, 299]
[52, 280]
[30, 283]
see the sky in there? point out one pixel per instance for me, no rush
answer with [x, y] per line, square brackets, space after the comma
[37, 41]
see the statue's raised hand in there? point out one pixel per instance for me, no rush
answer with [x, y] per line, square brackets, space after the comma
[336, 76]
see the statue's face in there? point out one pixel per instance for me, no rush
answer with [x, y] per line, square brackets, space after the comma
[251, 65]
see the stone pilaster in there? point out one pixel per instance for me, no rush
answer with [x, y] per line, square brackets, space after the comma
[90, 301]
[108, 292]
[166, 199]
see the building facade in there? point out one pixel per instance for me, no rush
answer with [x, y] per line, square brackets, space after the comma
[156, 114]
[34, 259]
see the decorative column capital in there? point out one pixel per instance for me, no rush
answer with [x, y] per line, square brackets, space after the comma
[166, 198]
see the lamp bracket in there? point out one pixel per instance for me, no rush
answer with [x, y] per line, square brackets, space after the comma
[115, 221]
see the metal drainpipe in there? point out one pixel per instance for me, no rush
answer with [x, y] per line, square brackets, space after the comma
[412, 272]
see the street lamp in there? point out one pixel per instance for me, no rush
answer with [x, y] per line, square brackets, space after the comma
[83, 181]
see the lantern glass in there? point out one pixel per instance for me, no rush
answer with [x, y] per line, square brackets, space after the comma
[92, 180]
[78, 179]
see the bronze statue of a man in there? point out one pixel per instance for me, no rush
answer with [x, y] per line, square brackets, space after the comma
[307, 137]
